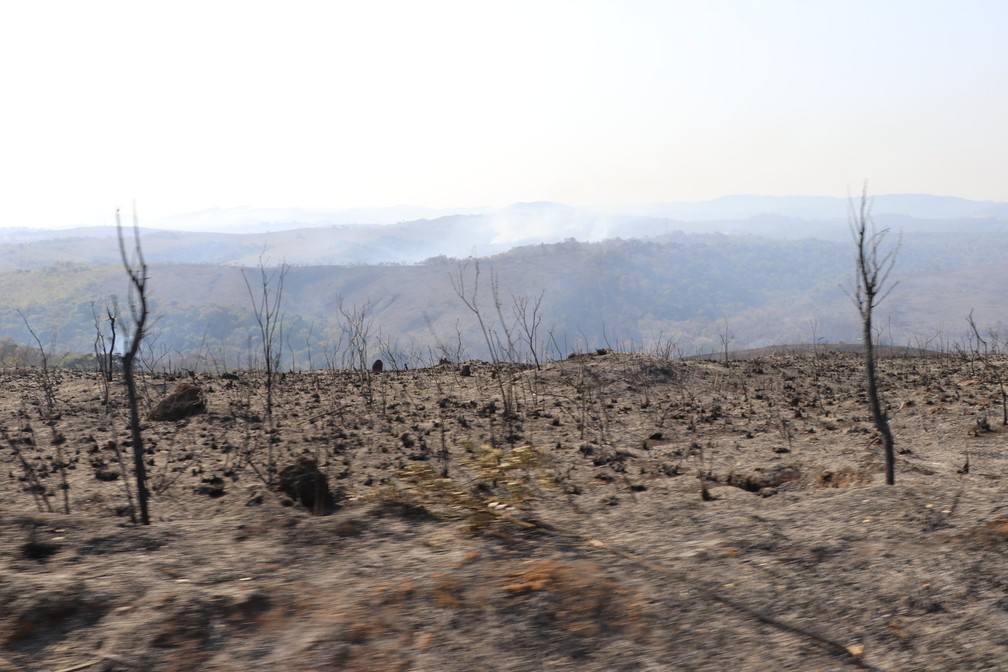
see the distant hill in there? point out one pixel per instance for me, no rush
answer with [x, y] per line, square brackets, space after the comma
[304, 238]
[264, 220]
[756, 270]
[689, 290]
[815, 208]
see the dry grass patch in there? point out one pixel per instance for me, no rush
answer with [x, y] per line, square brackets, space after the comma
[992, 533]
[448, 591]
[577, 597]
[494, 485]
[845, 477]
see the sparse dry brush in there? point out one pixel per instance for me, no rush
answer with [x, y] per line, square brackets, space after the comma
[574, 530]
[490, 485]
[426, 512]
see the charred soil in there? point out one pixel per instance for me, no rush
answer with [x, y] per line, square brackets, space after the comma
[607, 512]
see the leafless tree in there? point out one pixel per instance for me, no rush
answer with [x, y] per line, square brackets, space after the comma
[48, 381]
[307, 341]
[507, 343]
[493, 342]
[871, 287]
[665, 348]
[266, 301]
[727, 338]
[816, 341]
[31, 476]
[46, 377]
[136, 269]
[105, 349]
[454, 352]
[390, 350]
[357, 324]
[527, 313]
[977, 344]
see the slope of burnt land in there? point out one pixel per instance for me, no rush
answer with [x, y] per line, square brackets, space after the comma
[606, 512]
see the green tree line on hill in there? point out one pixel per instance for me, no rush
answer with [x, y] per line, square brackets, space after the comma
[627, 294]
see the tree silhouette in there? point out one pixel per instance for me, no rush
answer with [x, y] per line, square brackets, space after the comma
[871, 287]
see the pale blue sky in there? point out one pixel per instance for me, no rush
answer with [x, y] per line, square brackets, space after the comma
[331, 105]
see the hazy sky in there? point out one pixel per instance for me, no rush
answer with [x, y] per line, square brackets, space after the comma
[330, 105]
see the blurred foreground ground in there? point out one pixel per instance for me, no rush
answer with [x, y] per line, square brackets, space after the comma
[569, 534]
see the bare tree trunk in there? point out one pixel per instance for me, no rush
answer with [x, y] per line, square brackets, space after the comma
[136, 268]
[266, 307]
[870, 289]
[266, 303]
[494, 345]
[138, 450]
[879, 416]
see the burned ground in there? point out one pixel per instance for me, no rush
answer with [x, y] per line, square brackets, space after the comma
[608, 512]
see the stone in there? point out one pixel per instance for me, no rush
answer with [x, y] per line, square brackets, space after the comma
[184, 401]
[306, 484]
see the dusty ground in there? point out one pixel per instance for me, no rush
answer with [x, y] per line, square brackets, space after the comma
[569, 534]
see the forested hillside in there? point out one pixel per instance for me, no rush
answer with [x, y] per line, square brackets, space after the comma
[693, 291]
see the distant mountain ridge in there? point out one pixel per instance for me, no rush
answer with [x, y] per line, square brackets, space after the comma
[918, 206]
[608, 279]
[303, 237]
[726, 208]
[622, 294]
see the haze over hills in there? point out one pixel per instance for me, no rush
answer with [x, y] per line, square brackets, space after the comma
[761, 270]
[920, 206]
[240, 236]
